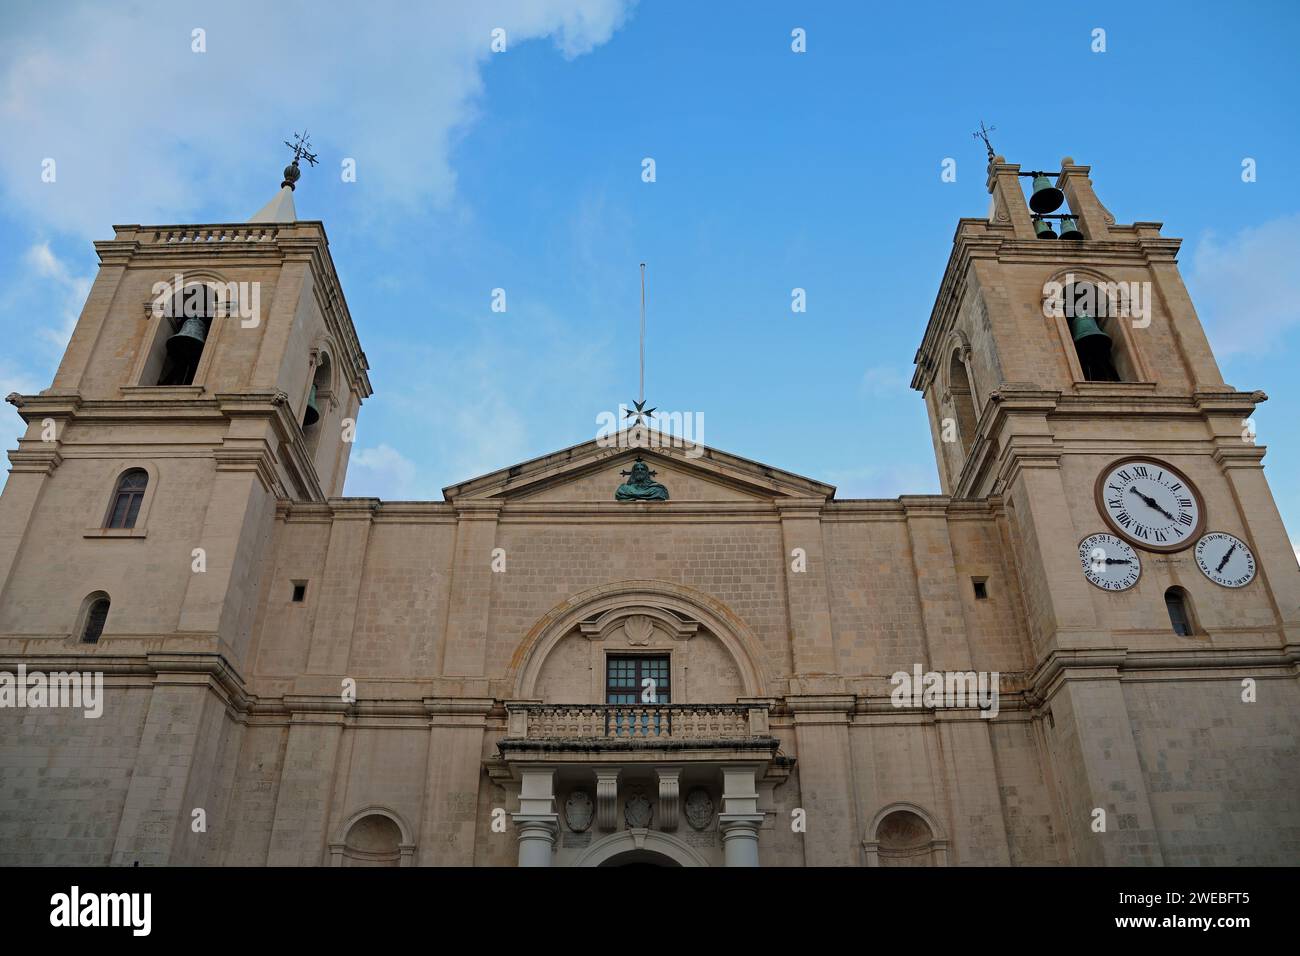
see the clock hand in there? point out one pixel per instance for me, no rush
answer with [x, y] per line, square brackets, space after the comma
[1226, 557]
[1151, 503]
[1118, 561]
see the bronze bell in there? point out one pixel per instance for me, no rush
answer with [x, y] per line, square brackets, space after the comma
[313, 412]
[1093, 347]
[1043, 229]
[1070, 228]
[1046, 198]
[187, 344]
[1083, 326]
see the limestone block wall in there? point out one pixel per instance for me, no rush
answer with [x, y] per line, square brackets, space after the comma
[145, 574]
[1222, 775]
[64, 779]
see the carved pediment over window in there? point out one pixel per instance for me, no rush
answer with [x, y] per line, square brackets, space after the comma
[637, 624]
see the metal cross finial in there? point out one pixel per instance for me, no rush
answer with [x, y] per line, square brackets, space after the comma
[301, 147]
[641, 411]
[984, 135]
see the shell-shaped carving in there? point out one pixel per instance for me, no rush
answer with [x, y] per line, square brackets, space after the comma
[638, 629]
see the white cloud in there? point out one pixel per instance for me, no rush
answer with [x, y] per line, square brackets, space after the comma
[385, 473]
[1246, 288]
[115, 95]
[464, 409]
[65, 292]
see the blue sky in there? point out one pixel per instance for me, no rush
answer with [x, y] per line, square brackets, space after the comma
[774, 170]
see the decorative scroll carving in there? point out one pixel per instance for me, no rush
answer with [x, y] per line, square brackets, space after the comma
[606, 799]
[669, 789]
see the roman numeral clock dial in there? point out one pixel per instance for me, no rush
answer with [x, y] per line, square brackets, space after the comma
[1150, 504]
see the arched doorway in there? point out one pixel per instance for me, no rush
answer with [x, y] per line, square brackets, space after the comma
[640, 858]
[640, 848]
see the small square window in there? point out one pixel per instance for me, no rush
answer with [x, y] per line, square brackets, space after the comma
[981, 588]
[299, 591]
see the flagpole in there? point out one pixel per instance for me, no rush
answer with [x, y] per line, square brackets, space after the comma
[641, 393]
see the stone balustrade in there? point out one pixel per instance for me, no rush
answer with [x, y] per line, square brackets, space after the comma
[628, 721]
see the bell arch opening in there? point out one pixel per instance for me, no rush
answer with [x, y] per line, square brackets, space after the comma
[963, 401]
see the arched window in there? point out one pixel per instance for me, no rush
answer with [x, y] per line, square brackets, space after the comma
[963, 401]
[1179, 606]
[94, 614]
[127, 497]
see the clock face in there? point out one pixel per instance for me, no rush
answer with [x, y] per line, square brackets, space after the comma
[1225, 559]
[1108, 562]
[1150, 504]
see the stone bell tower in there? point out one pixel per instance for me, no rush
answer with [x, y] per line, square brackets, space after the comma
[214, 371]
[1062, 345]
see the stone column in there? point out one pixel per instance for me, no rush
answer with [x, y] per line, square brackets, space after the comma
[340, 585]
[537, 821]
[809, 602]
[826, 780]
[466, 638]
[311, 758]
[740, 819]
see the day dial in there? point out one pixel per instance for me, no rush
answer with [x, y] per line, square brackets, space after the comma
[1108, 562]
[1225, 559]
[1150, 504]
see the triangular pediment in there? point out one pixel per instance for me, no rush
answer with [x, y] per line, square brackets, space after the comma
[591, 472]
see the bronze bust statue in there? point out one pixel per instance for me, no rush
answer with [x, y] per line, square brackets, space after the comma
[641, 486]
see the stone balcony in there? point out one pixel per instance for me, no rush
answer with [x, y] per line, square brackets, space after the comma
[628, 729]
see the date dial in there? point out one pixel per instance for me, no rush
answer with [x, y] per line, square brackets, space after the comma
[1109, 563]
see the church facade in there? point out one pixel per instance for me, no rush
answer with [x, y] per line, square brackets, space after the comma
[1084, 652]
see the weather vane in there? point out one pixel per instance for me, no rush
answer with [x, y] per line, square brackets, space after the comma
[984, 135]
[301, 147]
[641, 412]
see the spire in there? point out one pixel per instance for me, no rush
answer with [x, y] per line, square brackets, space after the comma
[280, 208]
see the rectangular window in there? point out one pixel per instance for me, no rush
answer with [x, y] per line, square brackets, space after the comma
[299, 591]
[637, 680]
[981, 588]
